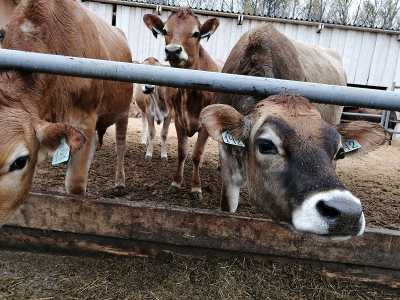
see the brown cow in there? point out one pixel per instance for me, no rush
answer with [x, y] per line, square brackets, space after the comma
[39, 111]
[183, 33]
[155, 105]
[287, 147]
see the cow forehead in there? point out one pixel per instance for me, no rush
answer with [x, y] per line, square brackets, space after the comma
[182, 22]
[305, 121]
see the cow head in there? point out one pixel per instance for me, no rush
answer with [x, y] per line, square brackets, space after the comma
[182, 33]
[23, 137]
[288, 159]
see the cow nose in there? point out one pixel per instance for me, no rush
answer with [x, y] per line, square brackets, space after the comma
[336, 213]
[173, 50]
[343, 216]
[148, 89]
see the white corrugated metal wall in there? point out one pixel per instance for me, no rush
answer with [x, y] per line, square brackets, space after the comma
[369, 58]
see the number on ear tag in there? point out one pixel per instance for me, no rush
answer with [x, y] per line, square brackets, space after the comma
[62, 154]
[351, 145]
[229, 139]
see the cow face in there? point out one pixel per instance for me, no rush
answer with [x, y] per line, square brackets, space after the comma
[22, 138]
[288, 160]
[182, 33]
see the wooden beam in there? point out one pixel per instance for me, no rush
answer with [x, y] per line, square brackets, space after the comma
[27, 239]
[185, 227]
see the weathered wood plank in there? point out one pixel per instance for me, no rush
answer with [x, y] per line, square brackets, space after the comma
[18, 238]
[202, 228]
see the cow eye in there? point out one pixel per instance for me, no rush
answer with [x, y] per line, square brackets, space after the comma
[2, 34]
[19, 163]
[267, 147]
[340, 154]
[196, 35]
[164, 32]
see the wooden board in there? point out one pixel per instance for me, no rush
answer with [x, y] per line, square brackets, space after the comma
[184, 227]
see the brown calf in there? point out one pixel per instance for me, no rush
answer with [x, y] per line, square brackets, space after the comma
[288, 146]
[182, 33]
[155, 105]
[39, 111]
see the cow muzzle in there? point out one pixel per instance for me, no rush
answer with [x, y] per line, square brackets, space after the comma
[175, 54]
[333, 213]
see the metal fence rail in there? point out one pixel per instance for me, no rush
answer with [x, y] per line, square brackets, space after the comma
[218, 82]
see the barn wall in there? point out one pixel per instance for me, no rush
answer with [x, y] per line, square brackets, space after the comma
[370, 58]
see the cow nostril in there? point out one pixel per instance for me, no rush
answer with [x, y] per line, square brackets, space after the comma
[327, 210]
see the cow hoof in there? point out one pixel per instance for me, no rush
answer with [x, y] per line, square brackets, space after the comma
[164, 158]
[196, 197]
[148, 157]
[174, 187]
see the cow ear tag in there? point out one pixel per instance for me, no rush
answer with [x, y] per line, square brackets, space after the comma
[351, 145]
[62, 154]
[229, 139]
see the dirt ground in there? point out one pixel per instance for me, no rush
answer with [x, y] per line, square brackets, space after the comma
[374, 177]
[25, 275]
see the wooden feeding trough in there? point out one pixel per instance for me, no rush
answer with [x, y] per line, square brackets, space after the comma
[146, 229]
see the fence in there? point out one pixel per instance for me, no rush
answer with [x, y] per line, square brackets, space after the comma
[218, 82]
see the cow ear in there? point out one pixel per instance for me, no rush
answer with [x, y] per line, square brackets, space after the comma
[369, 135]
[218, 118]
[50, 136]
[155, 24]
[208, 28]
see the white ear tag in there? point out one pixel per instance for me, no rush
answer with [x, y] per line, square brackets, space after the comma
[62, 154]
[351, 145]
[229, 139]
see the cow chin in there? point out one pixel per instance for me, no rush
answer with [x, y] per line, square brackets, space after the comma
[335, 213]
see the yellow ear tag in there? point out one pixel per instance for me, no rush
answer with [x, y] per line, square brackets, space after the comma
[62, 154]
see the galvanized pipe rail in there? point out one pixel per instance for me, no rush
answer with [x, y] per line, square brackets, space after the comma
[211, 81]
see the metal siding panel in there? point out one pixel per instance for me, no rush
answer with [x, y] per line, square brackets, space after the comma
[351, 52]
[389, 73]
[379, 59]
[365, 58]
[104, 11]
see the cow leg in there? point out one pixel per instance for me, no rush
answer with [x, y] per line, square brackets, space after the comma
[182, 155]
[78, 167]
[164, 135]
[151, 133]
[232, 179]
[196, 157]
[143, 134]
[120, 138]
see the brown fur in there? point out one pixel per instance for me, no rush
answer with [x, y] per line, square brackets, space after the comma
[68, 28]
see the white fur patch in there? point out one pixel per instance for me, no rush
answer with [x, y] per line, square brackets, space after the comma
[307, 218]
[27, 27]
